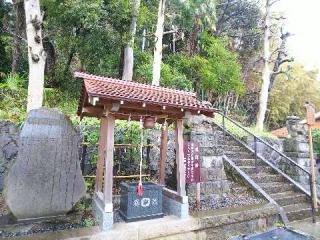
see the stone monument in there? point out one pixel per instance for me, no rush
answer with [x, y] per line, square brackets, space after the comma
[45, 179]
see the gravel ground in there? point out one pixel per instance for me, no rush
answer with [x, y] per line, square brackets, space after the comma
[228, 201]
[80, 217]
[231, 200]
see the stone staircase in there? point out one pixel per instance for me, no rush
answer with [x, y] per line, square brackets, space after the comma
[296, 204]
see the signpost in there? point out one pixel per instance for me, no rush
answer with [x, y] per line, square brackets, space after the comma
[310, 112]
[192, 165]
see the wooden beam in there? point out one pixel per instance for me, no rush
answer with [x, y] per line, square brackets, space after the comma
[101, 154]
[108, 172]
[163, 154]
[181, 180]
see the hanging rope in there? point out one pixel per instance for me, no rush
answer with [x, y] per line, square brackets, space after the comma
[140, 189]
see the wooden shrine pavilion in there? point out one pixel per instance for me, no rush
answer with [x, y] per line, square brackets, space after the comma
[110, 99]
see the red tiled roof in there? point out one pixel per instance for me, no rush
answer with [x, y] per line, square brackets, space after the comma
[114, 89]
[280, 133]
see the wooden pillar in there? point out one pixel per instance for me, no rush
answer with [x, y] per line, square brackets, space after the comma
[108, 173]
[163, 154]
[101, 154]
[181, 180]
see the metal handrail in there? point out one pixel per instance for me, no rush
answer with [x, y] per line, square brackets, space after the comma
[264, 142]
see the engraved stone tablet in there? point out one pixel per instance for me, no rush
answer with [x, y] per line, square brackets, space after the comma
[46, 179]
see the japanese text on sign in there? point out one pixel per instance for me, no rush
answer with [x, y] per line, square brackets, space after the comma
[192, 161]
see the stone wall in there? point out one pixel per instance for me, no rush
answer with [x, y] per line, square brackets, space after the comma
[214, 183]
[9, 135]
[295, 147]
[266, 151]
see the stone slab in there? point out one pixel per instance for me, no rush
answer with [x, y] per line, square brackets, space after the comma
[45, 180]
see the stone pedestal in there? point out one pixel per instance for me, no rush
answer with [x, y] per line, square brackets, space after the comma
[298, 150]
[104, 219]
[46, 179]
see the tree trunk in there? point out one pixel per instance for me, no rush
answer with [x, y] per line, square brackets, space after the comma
[19, 30]
[50, 65]
[192, 41]
[128, 51]
[36, 54]
[174, 39]
[263, 99]
[143, 44]
[157, 56]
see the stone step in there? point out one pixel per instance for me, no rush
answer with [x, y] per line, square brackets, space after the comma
[239, 190]
[239, 155]
[267, 178]
[274, 187]
[236, 188]
[208, 188]
[251, 170]
[297, 212]
[289, 198]
[225, 140]
[248, 162]
[230, 147]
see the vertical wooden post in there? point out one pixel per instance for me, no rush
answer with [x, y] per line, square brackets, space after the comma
[101, 154]
[313, 183]
[108, 173]
[163, 154]
[313, 172]
[198, 195]
[181, 180]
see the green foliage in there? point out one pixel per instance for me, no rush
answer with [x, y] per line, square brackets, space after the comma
[13, 98]
[5, 40]
[170, 76]
[290, 93]
[316, 141]
[88, 222]
[216, 70]
[223, 72]
[238, 132]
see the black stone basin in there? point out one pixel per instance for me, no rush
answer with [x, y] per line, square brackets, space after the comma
[134, 207]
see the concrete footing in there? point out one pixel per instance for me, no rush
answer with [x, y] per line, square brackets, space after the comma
[105, 219]
[173, 207]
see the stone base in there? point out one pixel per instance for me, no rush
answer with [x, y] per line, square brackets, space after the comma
[173, 207]
[105, 219]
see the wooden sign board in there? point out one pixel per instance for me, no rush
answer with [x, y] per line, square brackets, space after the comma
[192, 161]
[310, 114]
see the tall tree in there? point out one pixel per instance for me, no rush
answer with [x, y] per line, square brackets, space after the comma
[263, 99]
[157, 53]
[18, 33]
[268, 75]
[128, 51]
[36, 54]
